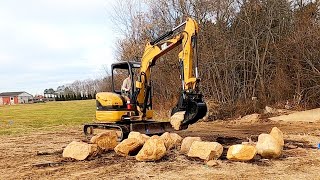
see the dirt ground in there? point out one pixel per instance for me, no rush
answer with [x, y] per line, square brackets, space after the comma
[300, 159]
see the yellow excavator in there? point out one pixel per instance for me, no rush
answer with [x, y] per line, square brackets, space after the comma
[132, 111]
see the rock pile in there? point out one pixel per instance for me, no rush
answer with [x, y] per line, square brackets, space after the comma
[268, 146]
[156, 147]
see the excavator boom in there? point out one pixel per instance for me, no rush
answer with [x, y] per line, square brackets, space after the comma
[190, 99]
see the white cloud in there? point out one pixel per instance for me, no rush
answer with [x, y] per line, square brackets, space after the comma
[5, 58]
[46, 35]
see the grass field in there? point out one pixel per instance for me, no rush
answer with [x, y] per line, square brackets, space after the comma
[25, 118]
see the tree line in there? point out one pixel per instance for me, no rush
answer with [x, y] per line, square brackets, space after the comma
[71, 97]
[264, 50]
[78, 90]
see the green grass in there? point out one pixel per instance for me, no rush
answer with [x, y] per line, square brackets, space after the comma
[25, 118]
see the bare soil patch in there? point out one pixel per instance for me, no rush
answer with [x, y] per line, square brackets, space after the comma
[20, 159]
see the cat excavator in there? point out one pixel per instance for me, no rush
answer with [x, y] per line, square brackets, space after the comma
[132, 111]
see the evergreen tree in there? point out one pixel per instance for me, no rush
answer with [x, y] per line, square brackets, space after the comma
[79, 96]
[57, 98]
[84, 97]
[94, 95]
[62, 98]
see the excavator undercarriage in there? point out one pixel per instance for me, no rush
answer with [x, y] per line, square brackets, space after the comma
[123, 129]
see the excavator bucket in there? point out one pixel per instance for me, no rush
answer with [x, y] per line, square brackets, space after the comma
[193, 111]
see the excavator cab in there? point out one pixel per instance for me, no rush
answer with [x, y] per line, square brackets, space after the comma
[120, 71]
[117, 106]
[115, 110]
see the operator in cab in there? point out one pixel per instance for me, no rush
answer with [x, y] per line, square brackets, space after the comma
[126, 86]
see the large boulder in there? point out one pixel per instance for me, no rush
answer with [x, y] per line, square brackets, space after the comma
[106, 141]
[80, 150]
[128, 146]
[176, 119]
[278, 135]
[154, 149]
[187, 142]
[241, 152]
[141, 137]
[171, 140]
[205, 150]
[268, 147]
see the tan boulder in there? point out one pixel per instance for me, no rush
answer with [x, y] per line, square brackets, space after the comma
[128, 146]
[278, 135]
[250, 118]
[186, 144]
[171, 140]
[176, 137]
[154, 149]
[205, 150]
[107, 140]
[80, 150]
[241, 152]
[141, 137]
[268, 147]
[176, 119]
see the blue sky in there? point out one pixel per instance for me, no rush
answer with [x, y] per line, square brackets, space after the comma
[47, 43]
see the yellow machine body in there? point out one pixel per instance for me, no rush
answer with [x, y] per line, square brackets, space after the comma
[110, 99]
[111, 108]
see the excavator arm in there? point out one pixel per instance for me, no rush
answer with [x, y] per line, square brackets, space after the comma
[190, 99]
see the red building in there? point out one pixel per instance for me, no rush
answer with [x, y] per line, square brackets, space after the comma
[15, 98]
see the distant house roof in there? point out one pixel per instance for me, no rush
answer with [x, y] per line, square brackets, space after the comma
[13, 93]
